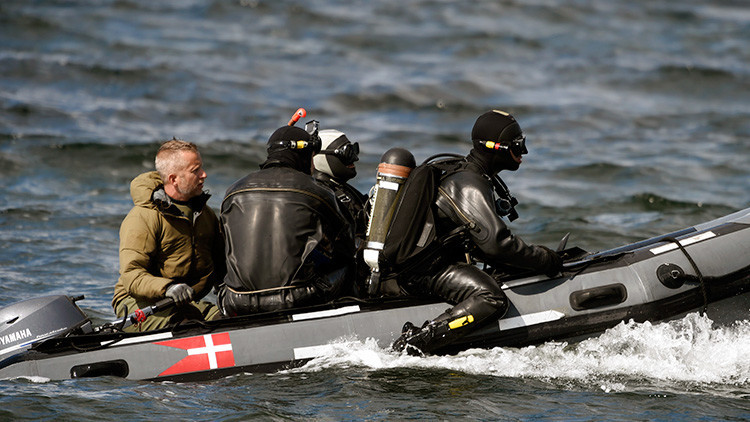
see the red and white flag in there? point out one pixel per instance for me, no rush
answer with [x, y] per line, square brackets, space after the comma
[210, 351]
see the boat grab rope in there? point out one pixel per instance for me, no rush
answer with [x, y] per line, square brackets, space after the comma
[696, 269]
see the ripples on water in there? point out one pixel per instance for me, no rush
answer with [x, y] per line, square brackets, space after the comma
[637, 120]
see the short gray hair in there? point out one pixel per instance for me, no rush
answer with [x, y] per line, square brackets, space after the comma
[168, 158]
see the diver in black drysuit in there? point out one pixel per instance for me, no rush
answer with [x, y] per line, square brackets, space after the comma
[334, 167]
[287, 243]
[466, 197]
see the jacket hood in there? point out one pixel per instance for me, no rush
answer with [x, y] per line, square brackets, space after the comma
[147, 191]
[143, 186]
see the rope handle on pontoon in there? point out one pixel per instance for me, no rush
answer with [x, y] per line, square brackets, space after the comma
[695, 268]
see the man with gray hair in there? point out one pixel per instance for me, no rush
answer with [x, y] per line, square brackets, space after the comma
[170, 241]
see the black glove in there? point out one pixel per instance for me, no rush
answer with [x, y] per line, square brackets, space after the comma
[554, 262]
[181, 293]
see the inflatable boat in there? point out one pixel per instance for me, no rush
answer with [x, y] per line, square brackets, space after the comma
[660, 278]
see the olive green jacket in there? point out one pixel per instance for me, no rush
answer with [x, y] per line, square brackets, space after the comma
[160, 246]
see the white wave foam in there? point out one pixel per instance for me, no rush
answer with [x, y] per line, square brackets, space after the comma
[32, 379]
[689, 350]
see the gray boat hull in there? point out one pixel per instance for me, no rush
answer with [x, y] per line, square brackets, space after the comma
[705, 266]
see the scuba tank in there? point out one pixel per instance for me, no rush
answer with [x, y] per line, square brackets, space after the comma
[394, 168]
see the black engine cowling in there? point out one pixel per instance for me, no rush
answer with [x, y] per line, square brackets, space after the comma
[27, 322]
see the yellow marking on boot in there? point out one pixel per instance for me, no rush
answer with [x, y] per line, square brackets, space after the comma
[501, 112]
[460, 322]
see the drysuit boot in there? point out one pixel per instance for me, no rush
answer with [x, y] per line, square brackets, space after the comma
[419, 341]
[478, 299]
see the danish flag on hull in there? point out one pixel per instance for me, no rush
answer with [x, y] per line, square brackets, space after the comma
[210, 351]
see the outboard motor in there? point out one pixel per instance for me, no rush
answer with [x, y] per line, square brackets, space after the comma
[30, 321]
[393, 170]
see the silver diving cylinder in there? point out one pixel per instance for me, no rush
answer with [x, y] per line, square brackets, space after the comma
[393, 170]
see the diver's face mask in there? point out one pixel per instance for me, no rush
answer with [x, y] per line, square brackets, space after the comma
[517, 146]
[347, 153]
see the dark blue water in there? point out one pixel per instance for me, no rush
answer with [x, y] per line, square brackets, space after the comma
[637, 117]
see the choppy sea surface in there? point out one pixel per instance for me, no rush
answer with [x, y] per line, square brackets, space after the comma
[637, 118]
